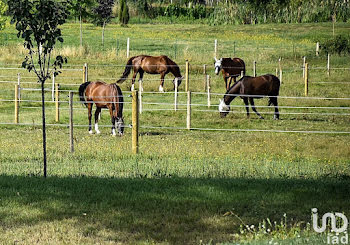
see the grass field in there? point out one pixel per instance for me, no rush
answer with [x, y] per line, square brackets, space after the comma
[185, 187]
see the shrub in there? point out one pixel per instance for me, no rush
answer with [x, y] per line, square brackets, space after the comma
[337, 45]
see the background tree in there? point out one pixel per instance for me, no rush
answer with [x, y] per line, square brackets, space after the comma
[123, 13]
[37, 23]
[3, 9]
[81, 9]
[103, 14]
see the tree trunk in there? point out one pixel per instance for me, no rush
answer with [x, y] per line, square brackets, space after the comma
[103, 33]
[81, 33]
[44, 126]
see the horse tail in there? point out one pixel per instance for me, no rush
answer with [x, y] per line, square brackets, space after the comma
[275, 87]
[82, 89]
[126, 71]
[243, 66]
[119, 101]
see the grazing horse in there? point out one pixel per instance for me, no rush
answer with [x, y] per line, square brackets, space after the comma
[153, 65]
[254, 88]
[231, 68]
[104, 96]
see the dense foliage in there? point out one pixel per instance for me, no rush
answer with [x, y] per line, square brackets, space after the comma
[103, 12]
[124, 13]
[3, 9]
[279, 11]
[337, 45]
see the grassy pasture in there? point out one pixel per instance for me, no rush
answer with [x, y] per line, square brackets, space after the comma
[186, 187]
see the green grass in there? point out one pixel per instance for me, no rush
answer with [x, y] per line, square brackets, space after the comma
[185, 187]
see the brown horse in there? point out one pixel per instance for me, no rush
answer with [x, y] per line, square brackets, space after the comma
[153, 65]
[250, 88]
[104, 96]
[231, 68]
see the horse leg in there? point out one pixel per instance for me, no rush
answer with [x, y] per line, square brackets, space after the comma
[273, 100]
[97, 113]
[161, 88]
[110, 107]
[225, 78]
[133, 81]
[140, 81]
[90, 115]
[251, 100]
[245, 100]
[234, 81]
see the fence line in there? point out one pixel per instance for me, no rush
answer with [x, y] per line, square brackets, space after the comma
[214, 111]
[184, 128]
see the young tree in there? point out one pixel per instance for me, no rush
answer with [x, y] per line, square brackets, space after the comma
[124, 13]
[103, 14]
[80, 9]
[3, 8]
[37, 23]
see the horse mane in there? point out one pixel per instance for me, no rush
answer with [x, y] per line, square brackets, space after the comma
[173, 67]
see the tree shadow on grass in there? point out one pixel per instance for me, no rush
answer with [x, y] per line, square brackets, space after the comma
[173, 210]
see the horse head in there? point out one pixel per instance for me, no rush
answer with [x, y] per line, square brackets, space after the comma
[217, 65]
[120, 126]
[177, 80]
[223, 108]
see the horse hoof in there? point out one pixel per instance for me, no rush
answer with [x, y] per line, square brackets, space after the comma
[98, 132]
[90, 132]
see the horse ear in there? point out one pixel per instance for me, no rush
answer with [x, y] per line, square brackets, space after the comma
[215, 59]
[221, 60]
[220, 100]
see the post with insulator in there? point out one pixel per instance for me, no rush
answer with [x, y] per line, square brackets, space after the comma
[135, 122]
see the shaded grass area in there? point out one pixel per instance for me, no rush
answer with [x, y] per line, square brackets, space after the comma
[159, 210]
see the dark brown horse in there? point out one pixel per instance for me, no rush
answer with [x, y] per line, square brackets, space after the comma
[104, 96]
[250, 88]
[231, 68]
[153, 65]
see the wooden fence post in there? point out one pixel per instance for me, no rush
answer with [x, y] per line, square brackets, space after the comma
[57, 99]
[19, 86]
[175, 95]
[127, 47]
[317, 49]
[304, 62]
[187, 76]
[205, 77]
[135, 122]
[85, 73]
[328, 65]
[71, 141]
[254, 68]
[140, 96]
[16, 104]
[188, 121]
[306, 80]
[53, 88]
[208, 90]
[281, 76]
[215, 48]
[234, 49]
